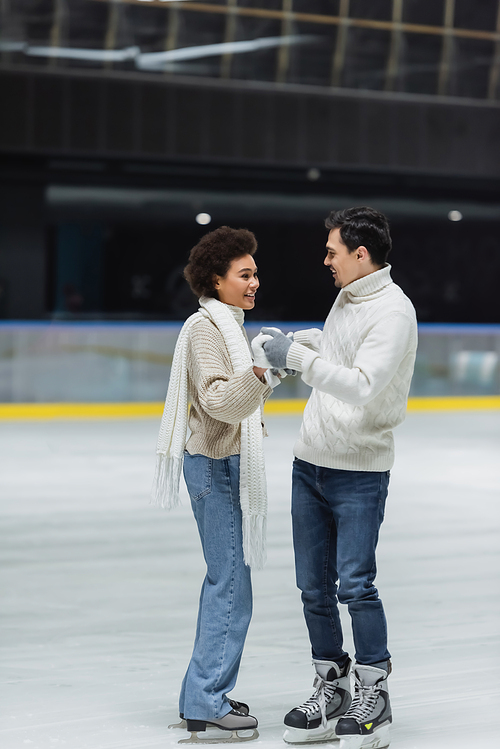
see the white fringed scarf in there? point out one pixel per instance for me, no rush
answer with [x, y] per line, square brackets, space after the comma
[173, 431]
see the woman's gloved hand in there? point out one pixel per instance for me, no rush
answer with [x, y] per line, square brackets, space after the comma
[259, 356]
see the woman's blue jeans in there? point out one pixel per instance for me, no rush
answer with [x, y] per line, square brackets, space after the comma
[336, 520]
[225, 606]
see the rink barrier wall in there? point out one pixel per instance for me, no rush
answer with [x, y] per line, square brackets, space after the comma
[61, 411]
[110, 368]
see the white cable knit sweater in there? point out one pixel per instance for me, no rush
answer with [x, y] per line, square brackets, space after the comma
[360, 368]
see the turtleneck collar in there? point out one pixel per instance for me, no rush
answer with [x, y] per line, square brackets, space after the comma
[238, 313]
[370, 284]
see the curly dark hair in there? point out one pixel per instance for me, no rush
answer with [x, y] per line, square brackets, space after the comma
[363, 226]
[213, 255]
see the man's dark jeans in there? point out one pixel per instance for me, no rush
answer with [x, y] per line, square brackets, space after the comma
[336, 519]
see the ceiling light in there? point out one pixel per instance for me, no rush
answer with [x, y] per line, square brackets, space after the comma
[77, 53]
[455, 216]
[203, 218]
[313, 174]
[156, 60]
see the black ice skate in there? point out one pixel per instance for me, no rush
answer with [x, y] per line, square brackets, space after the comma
[240, 706]
[315, 719]
[233, 722]
[366, 723]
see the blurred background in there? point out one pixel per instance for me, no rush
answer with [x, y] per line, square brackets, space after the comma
[128, 128]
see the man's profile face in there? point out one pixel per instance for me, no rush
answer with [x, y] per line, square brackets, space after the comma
[344, 265]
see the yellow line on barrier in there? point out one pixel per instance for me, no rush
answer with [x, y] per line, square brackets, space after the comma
[455, 403]
[48, 411]
[51, 411]
[285, 406]
[445, 403]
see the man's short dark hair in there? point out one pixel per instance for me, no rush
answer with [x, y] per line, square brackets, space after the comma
[363, 226]
[213, 255]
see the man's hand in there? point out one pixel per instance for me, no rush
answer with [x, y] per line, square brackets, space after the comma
[276, 347]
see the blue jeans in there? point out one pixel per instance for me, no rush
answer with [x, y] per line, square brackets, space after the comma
[225, 606]
[336, 519]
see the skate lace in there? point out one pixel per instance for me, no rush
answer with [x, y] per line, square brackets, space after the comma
[325, 691]
[363, 702]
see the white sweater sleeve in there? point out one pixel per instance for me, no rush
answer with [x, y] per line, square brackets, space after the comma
[310, 338]
[374, 365]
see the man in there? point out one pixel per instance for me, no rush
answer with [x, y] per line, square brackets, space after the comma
[360, 368]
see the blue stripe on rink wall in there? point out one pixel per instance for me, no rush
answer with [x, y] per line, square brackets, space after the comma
[431, 328]
[427, 328]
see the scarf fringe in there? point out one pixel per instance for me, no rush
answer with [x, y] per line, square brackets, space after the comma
[165, 490]
[254, 541]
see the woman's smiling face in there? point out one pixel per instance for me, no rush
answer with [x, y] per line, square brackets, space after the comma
[240, 283]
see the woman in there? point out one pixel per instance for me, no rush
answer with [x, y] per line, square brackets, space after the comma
[223, 468]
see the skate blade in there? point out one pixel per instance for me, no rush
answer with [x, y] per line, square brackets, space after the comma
[234, 738]
[351, 742]
[312, 736]
[378, 740]
[182, 724]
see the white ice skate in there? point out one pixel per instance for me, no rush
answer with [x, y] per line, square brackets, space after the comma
[314, 721]
[226, 730]
[366, 724]
[240, 706]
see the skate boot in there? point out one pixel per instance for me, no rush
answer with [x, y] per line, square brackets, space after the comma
[366, 723]
[233, 722]
[240, 706]
[316, 718]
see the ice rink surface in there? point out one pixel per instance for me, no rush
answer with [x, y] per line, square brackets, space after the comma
[100, 590]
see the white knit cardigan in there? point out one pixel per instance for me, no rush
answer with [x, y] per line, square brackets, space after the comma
[173, 431]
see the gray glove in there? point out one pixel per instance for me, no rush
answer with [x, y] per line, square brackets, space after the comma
[276, 349]
[290, 372]
[283, 372]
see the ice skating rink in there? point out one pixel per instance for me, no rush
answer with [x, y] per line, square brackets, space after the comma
[99, 589]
